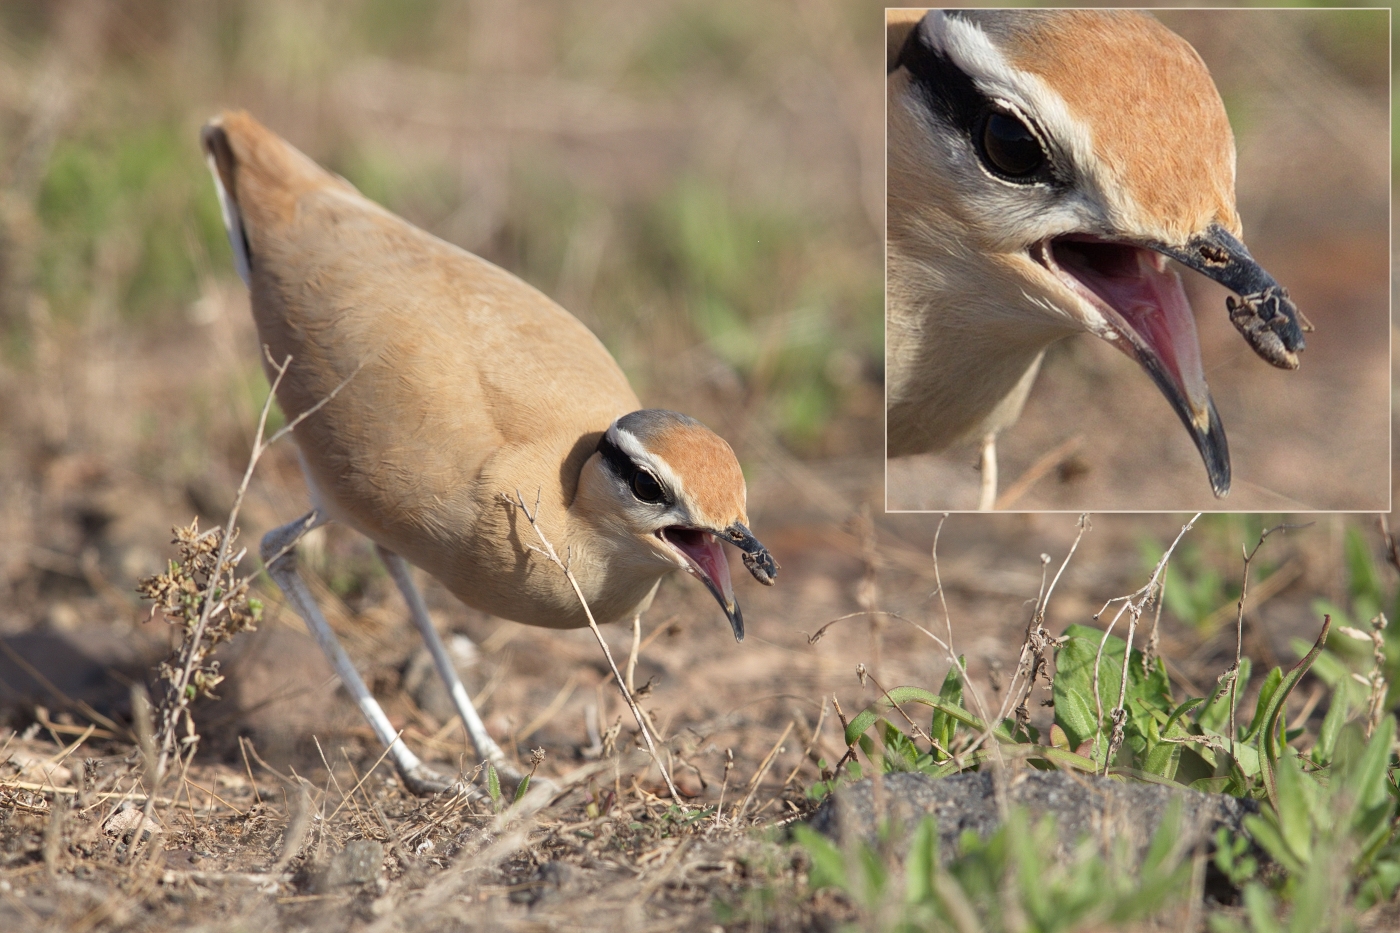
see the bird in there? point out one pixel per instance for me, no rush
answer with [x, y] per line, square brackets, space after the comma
[1043, 167]
[447, 387]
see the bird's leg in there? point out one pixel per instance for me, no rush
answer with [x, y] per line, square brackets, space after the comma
[988, 499]
[280, 559]
[636, 650]
[481, 740]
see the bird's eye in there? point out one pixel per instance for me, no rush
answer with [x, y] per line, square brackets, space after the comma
[646, 488]
[1009, 147]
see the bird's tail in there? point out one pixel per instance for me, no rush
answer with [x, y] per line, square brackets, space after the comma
[218, 152]
[259, 177]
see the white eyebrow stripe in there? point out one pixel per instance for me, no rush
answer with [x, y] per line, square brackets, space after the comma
[632, 446]
[971, 49]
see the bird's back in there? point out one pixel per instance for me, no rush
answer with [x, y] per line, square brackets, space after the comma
[459, 374]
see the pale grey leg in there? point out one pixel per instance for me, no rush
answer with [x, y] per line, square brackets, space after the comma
[278, 553]
[485, 746]
[988, 498]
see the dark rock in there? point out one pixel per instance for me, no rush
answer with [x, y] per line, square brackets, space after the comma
[1084, 806]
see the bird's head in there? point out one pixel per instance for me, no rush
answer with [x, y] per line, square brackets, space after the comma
[1073, 153]
[673, 489]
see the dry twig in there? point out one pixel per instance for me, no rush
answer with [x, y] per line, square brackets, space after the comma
[548, 552]
[1234, 672]
[1133, 604]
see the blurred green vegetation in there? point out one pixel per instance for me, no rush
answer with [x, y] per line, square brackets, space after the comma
[127, 214]
[1195, 586]
[783, 288]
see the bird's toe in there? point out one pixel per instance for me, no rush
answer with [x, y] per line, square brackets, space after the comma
[423, 781]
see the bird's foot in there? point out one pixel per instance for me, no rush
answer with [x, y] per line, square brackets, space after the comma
[423, 781]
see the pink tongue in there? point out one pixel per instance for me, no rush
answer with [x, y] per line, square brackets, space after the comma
[1152, 301]
[708, 554]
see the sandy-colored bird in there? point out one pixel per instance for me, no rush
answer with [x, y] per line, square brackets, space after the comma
[459, 386]
[1043, 167]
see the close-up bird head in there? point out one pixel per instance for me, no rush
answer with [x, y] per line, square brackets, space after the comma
[1044, 166]
[676, 488]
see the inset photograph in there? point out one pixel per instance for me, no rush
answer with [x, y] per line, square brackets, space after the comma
[1138, 260]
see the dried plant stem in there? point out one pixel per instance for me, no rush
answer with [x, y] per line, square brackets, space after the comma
[762, 770]
[1234, 671]
[819, 633]
[948, 623]
[177, 697]
[1133, 604]
[1032, 660]
[548, 552]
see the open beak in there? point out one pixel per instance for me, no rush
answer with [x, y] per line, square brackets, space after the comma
[1149, 318]
[705, 558]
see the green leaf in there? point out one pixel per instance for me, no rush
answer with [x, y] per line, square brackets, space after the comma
[828, 865]
[867, 745]
[1361, 569]
[900, 752]
[944, 727]
[874, 872]
[1148, 693]
[922, 863]
[1163, 759]
[1294, 805]
[520, 791]
[1268, 744]
[1261, 709]
[1332, 723]
[1261, 910]
[1267, 836]
[1180, 711]
[493, 784]
[1365, 782]
[1075, 710]
[903, 695]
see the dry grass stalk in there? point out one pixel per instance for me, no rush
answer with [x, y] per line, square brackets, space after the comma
[1033, 661]
[1134, 604]
[1234, 670]
[1036, 471]
[728, 766]
[762, 770]
[1374, 681]
[547, 551]
[203, 593]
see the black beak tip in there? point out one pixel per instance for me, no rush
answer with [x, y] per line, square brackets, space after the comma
[1264, 314]
[736, 622]
[757, 559]
[1215, 452]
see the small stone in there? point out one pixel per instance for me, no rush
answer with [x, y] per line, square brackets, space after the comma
[123, 823]
[357, 863]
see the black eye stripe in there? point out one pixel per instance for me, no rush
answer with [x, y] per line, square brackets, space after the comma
[955, 100]
[948, 90]
[621, 466]
[617, 461]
